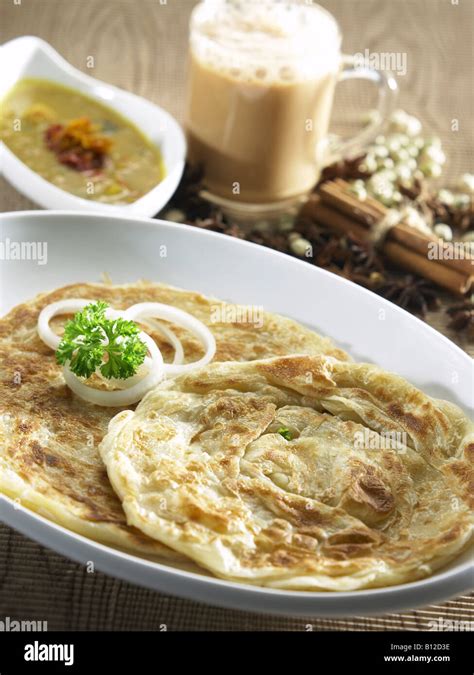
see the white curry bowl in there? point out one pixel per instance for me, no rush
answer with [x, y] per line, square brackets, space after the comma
[30, 57]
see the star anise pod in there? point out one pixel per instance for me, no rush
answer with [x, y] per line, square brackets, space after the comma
[275, 240]
[463, 219]
[317, 234]
[216, 222]
[345, 255]
[348, 169]
[364, 255]
[435, 210]
[366, 267]
[411, 293]
[417, 190]
[458, 218]
[462, 317]
[332, 253]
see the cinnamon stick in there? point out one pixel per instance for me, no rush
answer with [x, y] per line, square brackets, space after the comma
[433, 270]
[369, 212]
[454, 279]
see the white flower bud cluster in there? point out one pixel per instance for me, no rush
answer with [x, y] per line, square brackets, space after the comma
[443, 231]
[466, 183]
[395, 160]
[299, 245]
[175, 216]
[399, 157]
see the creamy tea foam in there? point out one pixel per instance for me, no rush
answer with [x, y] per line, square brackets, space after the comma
[268, 41]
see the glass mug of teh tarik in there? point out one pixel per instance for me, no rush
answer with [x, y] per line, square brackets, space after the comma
[261, 84]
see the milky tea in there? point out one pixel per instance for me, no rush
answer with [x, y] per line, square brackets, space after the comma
[261, 85]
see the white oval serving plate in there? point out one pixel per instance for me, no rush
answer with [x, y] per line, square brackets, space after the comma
[81, 247]
[31, 57]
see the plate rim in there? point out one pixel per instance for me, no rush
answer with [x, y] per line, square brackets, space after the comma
[302, 603]
[159, 222]
[438, 586]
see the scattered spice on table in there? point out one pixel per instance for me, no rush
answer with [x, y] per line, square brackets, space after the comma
[412, 293]
[462, 317]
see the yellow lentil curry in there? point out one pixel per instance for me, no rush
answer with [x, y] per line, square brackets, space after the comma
[79, 144]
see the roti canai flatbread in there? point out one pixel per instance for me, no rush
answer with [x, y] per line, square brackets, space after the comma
[49, 438]
[298, 472]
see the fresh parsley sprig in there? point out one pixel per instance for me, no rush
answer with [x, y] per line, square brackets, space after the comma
[92, 341]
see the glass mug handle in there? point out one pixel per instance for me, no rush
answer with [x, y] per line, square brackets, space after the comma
[387, 93]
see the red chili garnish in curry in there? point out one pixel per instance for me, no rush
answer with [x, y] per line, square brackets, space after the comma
[78, 144]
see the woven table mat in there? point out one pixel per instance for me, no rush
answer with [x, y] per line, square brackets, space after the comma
[141, 46]
[37, 584]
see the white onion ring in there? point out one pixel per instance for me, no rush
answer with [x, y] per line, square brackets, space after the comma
[61, 307]
[133, 388]
[122, 397]
[71, 306]
[143, 310]
[173, 340]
